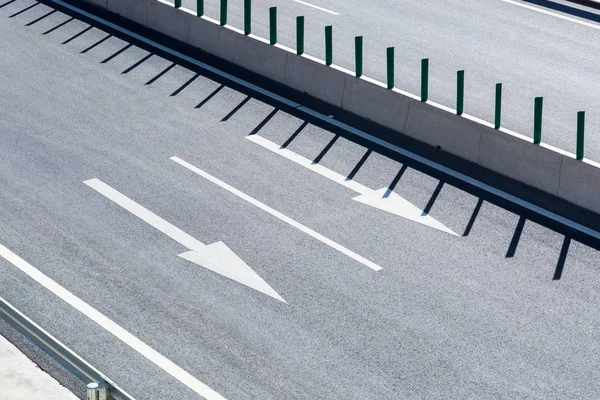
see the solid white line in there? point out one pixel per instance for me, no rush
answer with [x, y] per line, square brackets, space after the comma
[357, 132]
[317, 7]
[305, 162]
[136, 344]
[554, 14]
[278, 215]
[146, 215]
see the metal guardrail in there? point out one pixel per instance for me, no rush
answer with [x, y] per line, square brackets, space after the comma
[100, 388]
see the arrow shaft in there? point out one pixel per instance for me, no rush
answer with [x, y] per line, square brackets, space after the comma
[145, 215]
[306, 163]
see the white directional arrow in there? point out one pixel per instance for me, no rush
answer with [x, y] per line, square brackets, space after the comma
[382, 199]
[216, 257]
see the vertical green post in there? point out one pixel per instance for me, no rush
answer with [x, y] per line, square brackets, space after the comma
[299, 35]
[177, 3]
[199, 8]
[460, 92]
[273, 25]
[358, 54]
[498, 119]
[328, 45]
[424, 79]
[537, 120]
[390, 68]
[223, 17]
[247, 17]
[580, 134]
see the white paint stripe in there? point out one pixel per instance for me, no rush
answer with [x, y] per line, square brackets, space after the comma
[146, 215]
[354, 131]
[554, 14]
[305, 162]
[317, 7]
[278, 215]
[136, 344]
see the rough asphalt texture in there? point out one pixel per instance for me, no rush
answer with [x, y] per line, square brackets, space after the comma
[509, 310]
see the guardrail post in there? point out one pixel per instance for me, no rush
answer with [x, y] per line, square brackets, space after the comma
[247, 17]
[358, 52]
[299, 35]
[537, 120]
[424, 79]
[199, 8]
[328, 45]
[177, 3]
[498, 118]
[580, 134]
[92, 391]
[460, 92]
[223, 17]
[273, 24]
[390, 68]
[104, 391]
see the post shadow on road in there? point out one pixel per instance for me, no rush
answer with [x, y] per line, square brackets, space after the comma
[104, 39]
[186, 84]
[236, 108]
[115, 54]
[23, 10]
[359, 165]
[514, 242]
[562, 258]
[395, 181]
[474, 215]
[294, 135]
[433, 198]
[58, 26]
[7, 3]
[566, 9]
[161, 73]
[77, 35]
[264, 122]
[137, 64]
[210, 96]
[35, 21]
[326, 149]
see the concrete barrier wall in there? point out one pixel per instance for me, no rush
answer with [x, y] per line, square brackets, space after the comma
[508, 153]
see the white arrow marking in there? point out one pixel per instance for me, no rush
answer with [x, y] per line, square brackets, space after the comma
[390, 202]
[216, 257]
[278, 215]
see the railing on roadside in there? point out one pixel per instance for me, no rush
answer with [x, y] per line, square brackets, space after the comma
[99, 387]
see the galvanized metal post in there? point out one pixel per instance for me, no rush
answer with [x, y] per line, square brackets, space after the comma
[223, 16]
[104, 391]
[92, 391]
[580, 134]
[328, 45]
[537, 120]
[247, 17]
[300, 35]
[498, 118]
[358, 50]
[424, 79]
[460, 92]
[390, 68]
[273, 24]
[199, 8]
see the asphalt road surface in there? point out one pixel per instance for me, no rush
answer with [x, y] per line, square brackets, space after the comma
[506, 308]
[528, 45]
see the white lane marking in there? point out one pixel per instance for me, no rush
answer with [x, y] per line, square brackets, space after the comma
[380, 199]
[554, 14]
[278, 215]
[350, 129]
[317, 7]
[111, 327]
[216, 257]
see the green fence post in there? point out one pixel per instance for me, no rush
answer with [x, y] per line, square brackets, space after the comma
[460, 92]
[199, 8]
[247, 17]
[537, 120]
[328, 45]
[273, 25]
[358, 53]
[177, 3]
[424, 79]
[223, 19]
[498, 119]
[390, 68]
[580, 134]
[299, 35]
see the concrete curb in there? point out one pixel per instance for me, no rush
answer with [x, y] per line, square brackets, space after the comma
[508, 153]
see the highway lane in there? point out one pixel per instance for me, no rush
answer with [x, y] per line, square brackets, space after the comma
[531, 53]
[446, 317]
